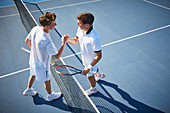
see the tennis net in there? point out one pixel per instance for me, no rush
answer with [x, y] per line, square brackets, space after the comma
[73, 94]
[27, 20]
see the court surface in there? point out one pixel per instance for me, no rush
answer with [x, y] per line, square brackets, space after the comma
[135, 38]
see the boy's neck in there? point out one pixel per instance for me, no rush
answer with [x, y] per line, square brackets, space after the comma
[85, 30]
[45, 30]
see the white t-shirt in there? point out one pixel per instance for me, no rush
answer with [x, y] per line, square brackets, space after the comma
[42, 48]
[89, 44]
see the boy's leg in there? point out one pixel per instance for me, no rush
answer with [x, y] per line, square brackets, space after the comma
[30, 91]
[31, 81]
[92, 81]
[51, 96]
[48, 86]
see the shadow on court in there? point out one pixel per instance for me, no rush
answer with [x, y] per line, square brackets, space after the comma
[140, 107]
[39, 100]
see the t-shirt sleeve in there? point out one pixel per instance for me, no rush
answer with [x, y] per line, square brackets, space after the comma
[51, 49]
[29, 35]
[97, 45]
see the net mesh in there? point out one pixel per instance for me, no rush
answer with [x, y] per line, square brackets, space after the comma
[73, 95]
[25, 16]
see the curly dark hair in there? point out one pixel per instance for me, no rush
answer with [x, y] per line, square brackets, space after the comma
[46, 18]
[86, 18]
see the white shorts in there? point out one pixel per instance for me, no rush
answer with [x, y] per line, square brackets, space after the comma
[41, 75]
[93, 69]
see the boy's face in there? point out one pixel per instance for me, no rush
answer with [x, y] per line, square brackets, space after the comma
[81, 25]
[52, 25]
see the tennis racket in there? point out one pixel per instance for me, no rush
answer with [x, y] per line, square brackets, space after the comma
[63, 70]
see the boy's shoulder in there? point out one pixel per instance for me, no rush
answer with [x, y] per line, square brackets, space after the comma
[94, 34]
[36, 28]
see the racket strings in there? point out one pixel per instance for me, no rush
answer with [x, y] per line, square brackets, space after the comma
[74, 70]
[67, 70]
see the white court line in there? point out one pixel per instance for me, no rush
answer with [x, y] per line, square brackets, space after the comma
[41, 1]
[31, 2]
[8, 15]
[94, 106]
[76, 82]
[69, 5]
[14, 73]
[26, 50]
[157, 4]
[6, 75]
[102, 45]
[29, 13]
[71, 55]
[134, 36]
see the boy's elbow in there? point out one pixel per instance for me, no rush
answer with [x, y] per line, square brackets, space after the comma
[26, 40]
[99, 55]
[57, 56]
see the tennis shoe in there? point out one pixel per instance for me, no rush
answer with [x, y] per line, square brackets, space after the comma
[98, 77]
[90, 92]
[54, 96]
[29, 92]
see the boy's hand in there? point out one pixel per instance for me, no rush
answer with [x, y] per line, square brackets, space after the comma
[85, 71]
[65, 38]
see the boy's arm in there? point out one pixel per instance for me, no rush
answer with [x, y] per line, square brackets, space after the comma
[60, 51]
[72, 41]
[94, 62]
[97, 58]
[28, 42]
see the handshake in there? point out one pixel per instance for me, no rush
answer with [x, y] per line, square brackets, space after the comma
[65, 38]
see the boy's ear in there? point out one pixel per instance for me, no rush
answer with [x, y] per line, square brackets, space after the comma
[87, 25]
[46, 27]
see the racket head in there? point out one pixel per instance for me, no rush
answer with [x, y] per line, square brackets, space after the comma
[67, 70]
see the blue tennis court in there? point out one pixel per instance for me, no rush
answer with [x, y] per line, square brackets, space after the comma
[136, 55]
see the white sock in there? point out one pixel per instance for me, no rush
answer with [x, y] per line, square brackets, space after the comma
[29, 88]
[49, 95]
